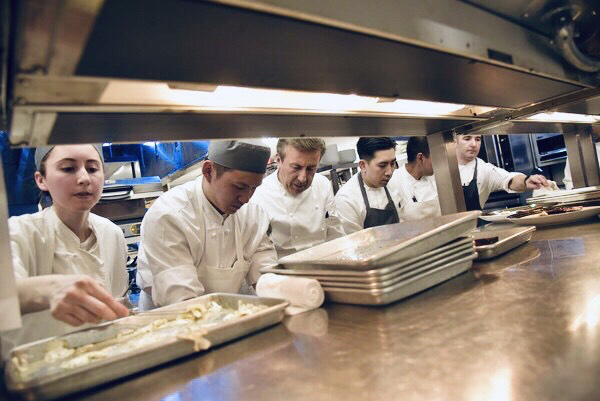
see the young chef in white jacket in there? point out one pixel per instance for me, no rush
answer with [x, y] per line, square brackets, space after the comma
[299, 202]
[479, 178]
[66, 259]
[202, 236]
[415, 181]
[367, 200]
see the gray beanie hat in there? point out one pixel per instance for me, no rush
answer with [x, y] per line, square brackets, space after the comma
[42, 151]
[246, 155]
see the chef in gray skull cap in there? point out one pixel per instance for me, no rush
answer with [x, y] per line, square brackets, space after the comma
[203, 236]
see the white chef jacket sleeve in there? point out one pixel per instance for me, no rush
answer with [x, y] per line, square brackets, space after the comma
[334, 223]
[348, 213]
[264, 256]
[167, 256]
[23, 245]
[498, 178]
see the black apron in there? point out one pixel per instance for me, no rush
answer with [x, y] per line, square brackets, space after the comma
[471, 192]
[378, 217]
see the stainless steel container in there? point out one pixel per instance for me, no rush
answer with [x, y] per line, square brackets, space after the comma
[47, 386]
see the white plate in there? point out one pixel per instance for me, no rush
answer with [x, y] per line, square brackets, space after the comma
[562, 218]
[501, 216]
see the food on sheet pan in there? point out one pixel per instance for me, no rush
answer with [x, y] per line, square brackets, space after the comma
[545, 211]
[188, 325]
[486, 241]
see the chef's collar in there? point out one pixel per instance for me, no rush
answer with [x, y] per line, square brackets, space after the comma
[247, 155]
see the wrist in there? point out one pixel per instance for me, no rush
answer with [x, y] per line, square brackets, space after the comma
[525, 179]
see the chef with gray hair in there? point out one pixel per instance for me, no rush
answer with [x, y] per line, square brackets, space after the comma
[203, 236]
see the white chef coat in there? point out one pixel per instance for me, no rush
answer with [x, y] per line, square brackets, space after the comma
[350, 205]
[489, 178]
[187, 245]
[424, 191]
[42, 244]
[299, 221]
[568, 180]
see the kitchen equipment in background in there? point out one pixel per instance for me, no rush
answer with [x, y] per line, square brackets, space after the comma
[121, 168]
[347, 156]
[331, 157]
[548, 149]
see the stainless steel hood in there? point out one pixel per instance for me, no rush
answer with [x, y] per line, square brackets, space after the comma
[443, 51]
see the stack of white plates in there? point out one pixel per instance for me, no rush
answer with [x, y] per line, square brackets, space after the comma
[579, 195]
[383, 264]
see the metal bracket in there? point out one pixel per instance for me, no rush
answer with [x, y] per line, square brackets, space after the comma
[447, 177]
[9, 299]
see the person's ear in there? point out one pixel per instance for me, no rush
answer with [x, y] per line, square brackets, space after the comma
[40, 181]
[362, 164]
[208, 169]
[278, 159]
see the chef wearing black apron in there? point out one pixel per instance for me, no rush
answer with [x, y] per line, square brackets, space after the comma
[471, 192]
[378, 217]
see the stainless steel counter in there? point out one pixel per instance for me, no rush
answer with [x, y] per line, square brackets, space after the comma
[524, 326]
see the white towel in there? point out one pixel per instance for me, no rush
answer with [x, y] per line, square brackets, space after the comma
[546, 190]
[303, 293]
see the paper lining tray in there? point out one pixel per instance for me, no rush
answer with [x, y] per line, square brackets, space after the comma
[460, 246]
[401, 290]
[43, 386]
[381, 246]
[508, 238]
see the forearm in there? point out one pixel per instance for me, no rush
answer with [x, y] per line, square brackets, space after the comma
[35, 292]
[517, 183]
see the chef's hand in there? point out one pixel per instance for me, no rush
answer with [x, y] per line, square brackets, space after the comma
[536, 182]
[78, 299]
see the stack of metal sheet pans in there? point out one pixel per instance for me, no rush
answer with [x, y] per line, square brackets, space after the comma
[383, 264]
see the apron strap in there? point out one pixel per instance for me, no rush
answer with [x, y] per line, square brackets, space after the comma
[361, 184]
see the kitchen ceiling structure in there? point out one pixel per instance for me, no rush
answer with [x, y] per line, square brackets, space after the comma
[60, 56]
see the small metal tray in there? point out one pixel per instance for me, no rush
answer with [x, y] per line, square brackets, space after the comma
[508, 238]
[401, 290]
[375, 274]
[105, 370]
[463, 247]
[381, 246]
[390, 281]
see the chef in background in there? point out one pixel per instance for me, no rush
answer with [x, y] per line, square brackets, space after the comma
[367, 200]
[416, 183]
[479, 178]
[299, 202]
[568, 180]
[69, 264]
[203, 236]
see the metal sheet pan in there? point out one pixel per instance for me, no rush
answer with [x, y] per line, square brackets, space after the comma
[508, 238]
[105, 370]
[398, 278]
[463, 246]
[401, 290]
[381, 246]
